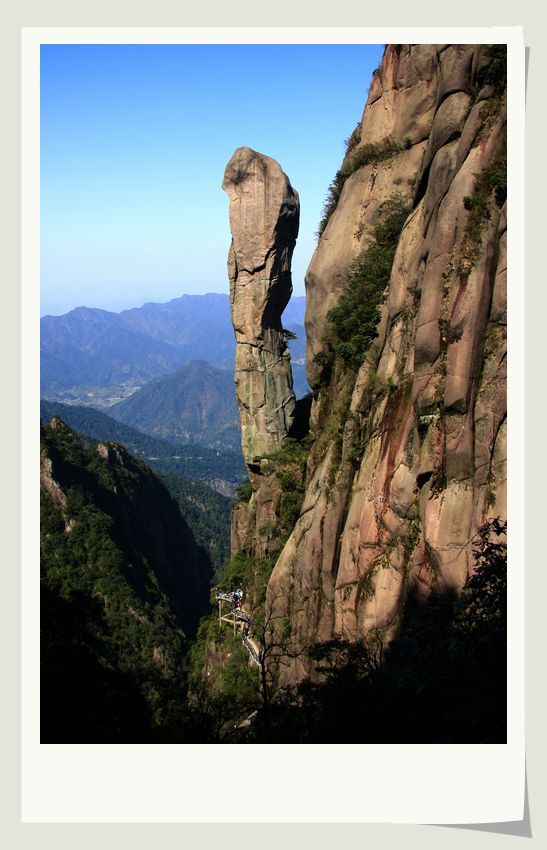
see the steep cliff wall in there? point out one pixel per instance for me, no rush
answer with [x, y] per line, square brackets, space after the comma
[408, 421]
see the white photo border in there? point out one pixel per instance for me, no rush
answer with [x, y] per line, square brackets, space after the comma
[355, 783]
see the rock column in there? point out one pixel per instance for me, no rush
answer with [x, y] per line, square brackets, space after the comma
[264, 217]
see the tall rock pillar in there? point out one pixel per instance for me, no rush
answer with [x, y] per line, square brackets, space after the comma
[264, 218]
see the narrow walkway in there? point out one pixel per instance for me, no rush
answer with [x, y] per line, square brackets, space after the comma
[239, 619]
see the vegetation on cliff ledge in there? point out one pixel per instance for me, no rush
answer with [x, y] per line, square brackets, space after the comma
[494, 72]
[353, 323]
[357, 156]
[490, 188]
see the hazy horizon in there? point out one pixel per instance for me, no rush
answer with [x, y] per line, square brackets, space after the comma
[134, 142]
[148, 301]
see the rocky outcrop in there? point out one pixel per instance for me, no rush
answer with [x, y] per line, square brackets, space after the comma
[409, 452]
[264, 217]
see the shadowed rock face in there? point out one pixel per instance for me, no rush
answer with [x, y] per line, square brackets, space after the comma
[264, 217]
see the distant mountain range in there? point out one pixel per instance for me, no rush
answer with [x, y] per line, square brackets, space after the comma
[194, 404]
[96, 357]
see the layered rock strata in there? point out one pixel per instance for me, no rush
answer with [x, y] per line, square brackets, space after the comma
[409, 457]
[264, 218]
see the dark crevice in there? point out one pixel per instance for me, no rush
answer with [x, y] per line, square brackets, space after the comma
[448, 94]
[421, 187]
[300, 427]
[423, 478]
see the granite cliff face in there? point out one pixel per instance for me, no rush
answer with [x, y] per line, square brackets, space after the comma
[408, 447]
[264, 217]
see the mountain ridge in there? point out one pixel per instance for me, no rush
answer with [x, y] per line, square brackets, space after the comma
[220, 470]
[194, 404]
[94, 356]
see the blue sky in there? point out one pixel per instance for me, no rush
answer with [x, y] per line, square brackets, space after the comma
[134, 142]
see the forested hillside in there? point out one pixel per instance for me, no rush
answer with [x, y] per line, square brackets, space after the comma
[220, 469]
[195, 404]
[123, 585]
